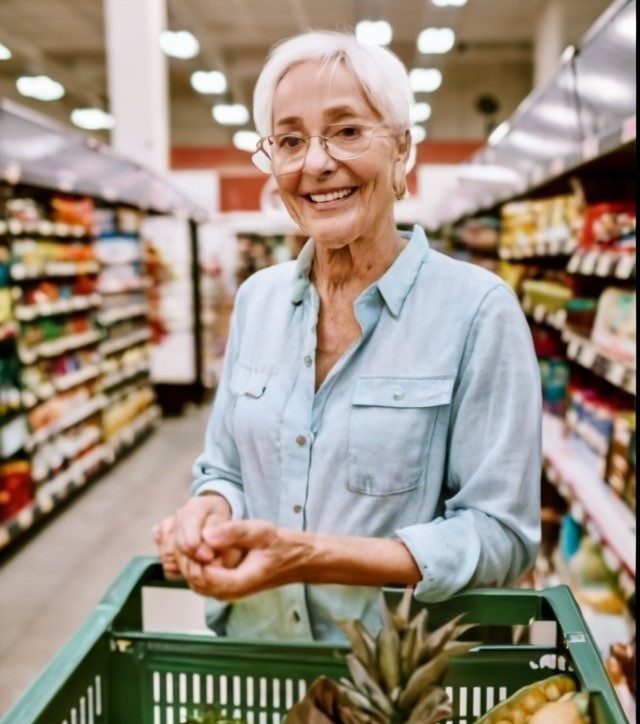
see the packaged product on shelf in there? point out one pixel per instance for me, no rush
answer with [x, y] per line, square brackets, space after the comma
[554, 375]
[580, 315]
[16, 488]
[609, 226]
[621, 462]
[614, 328]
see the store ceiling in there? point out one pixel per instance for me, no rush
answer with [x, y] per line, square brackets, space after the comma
[64, 39]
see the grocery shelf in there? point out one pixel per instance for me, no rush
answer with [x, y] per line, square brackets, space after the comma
[603, 263]
[77, 415]
[131, 311]
[29, 312]
[571, 467]
[538, 249]
[124, 375]
[81, 472]
[618, 372]
[56, 347]
[117, 344]
[20, 271]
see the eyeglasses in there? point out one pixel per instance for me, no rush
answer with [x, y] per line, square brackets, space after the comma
[285, 153]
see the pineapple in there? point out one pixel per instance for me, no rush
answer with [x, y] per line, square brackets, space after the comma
[396, 676]
[522, 706]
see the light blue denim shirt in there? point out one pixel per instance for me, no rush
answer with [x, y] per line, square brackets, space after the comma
[427, 429]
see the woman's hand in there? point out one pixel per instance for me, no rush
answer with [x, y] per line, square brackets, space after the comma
[247, 557]
[180, 535]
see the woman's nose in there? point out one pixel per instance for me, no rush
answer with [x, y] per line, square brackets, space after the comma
[317, 159]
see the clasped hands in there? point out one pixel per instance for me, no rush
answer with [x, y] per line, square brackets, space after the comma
[223, 558]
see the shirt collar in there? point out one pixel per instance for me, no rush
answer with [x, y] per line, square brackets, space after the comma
[393, 285]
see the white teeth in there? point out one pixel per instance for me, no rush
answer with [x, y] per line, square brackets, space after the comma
[332, 196]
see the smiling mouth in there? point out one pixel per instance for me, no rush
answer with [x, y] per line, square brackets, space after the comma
[331, 196]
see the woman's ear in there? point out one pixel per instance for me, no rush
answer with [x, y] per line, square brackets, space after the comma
[403, 163]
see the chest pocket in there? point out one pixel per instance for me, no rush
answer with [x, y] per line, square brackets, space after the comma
[249, 382]
[391, 429]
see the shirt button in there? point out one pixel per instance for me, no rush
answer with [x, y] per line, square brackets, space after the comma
[308, 361]
[297, 508]
[301, 440]
[295, 616]
[398, 395]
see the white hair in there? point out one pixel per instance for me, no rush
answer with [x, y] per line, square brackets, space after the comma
[380, 73]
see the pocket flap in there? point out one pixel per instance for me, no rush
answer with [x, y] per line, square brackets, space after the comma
[249, 381]
[403, 391]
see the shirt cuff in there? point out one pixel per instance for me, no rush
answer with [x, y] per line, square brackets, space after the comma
[228, 491]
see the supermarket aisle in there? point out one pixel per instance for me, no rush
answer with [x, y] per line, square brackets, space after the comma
[50, 585]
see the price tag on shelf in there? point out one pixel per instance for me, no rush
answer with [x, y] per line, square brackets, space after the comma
[604, 264]
[539, 312]
[625, 266]
[630, 382]
[628, 130]
[559, 318]
[574, 263]
[590, 148]
[573, 349]
[627, 583]
[588, 263]
[587, 356]
[615, 373]
[576, 511]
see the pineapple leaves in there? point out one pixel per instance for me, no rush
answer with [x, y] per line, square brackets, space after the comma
[396, 676]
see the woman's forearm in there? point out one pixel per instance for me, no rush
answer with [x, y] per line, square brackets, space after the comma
[355, 561]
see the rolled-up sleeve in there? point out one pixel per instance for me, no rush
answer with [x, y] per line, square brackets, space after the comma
[489, 531]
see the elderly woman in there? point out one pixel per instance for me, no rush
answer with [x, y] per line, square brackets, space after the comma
[378, 418]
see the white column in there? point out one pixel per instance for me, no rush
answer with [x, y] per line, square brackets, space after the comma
[549, 40]
[137, 80]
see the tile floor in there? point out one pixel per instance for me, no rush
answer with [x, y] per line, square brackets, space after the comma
[52, 583]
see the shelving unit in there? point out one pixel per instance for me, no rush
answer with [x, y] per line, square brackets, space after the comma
[74, 330]
[586, 162]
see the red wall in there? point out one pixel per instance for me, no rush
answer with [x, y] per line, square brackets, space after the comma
[241, 182]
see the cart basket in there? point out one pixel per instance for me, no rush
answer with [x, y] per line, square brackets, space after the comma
[112, 671]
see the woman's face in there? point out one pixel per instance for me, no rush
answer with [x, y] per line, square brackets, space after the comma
[361, 196]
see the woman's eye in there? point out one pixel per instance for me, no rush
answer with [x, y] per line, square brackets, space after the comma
[290, 142]
[348, 132]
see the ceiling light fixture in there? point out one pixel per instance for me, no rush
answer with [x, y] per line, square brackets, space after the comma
[418, 134]
[212, 81]
[425, 80]
[92, 119]
[436, 40]
[374, 32]
[449, 3]
[246, 140]
[40, 87]
[5, 53]
[419, 112]
[487, 172]
[179, 44]
[232, 114]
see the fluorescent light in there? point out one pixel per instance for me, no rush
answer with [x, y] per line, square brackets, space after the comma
[92, 119]
[568, 54]
[179, 43]
[425, 80]
[418, 134]
[556, 114]
[541, 144]
[246, 140]
[449, 3]
[487, 173]
[498, 133]
[374, 32]
[5, 53]
[420, 112]
[212, 81]
[625, 25]
[436, 40]
[40, 87]
[233, 114]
